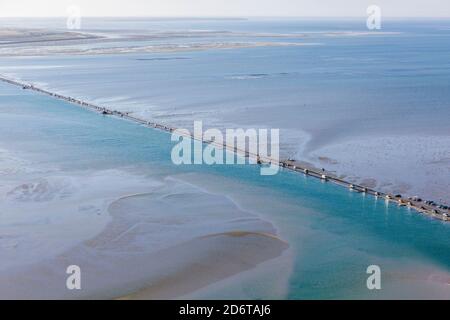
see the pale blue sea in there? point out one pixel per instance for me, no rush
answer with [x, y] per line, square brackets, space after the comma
[390, 85]
[334, 233]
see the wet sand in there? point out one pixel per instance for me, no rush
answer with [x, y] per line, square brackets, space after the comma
[209, 259]
[38, 42]
[167, 274]
[156, 246]
[162, 48]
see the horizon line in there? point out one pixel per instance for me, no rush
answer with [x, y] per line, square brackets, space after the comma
[231, 17]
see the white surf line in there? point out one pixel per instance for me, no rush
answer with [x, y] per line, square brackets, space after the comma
[418, 206]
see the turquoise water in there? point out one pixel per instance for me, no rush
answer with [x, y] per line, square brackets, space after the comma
[334, 233]
[392, 86]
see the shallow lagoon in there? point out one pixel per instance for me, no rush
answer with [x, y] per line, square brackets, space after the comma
[358, 102]
[333, 234]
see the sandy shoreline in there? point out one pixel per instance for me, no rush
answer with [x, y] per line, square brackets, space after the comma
[164, 48]
[41, 42]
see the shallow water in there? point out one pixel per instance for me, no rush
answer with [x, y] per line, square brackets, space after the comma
[333, 233]
[326, 98]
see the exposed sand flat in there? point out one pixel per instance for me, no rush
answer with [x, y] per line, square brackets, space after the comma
[426, 174]
[167, 274]
[43, 34]
[37, 42]
[157, 48]
[24, 36]
[157, 245]
[208, 259]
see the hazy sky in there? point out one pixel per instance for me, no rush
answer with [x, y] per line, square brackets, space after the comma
[341, 8]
